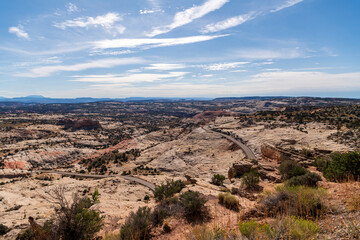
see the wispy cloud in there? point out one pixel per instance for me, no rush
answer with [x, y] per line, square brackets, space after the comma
[71, 7]
[150, 11]
[286, 4]
[223, 66]
[228, 23]
[107, 21]
[269, 53]
[189, 15]
[165, 66]
[19, 32]
[151, 42]
[101, 63]
[110, 53]
[131, 78]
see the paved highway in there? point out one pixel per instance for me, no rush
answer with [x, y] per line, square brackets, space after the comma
[129, 178]
[249, 154]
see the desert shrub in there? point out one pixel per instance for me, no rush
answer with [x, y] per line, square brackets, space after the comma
[158, 216]
[73, 220]
[296, 228]
[251, 179]
[309, 179]
[167, 190]
[254, 230]
[77, 221]
[218, 179]
[340, 167]
[289, 169]
[194, 205]
[353, 202]
[26, 235]
[137, 225]
[207, 233]
[3, 229]
[228, 200]
[299, 201]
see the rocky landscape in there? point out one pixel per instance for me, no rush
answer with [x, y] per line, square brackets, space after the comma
[102, 146]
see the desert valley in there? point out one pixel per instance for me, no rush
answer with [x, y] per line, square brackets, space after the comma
[221, 169]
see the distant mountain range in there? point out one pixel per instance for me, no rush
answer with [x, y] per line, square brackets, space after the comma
[46, 100]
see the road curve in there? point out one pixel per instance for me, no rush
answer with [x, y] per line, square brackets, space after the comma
[247, 151]
[96, 176]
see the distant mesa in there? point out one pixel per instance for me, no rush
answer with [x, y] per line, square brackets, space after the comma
[85, 124]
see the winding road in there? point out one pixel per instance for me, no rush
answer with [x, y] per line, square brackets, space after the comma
[247, 151]
[143, 182]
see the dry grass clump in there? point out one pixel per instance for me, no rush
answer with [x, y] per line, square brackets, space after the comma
[298, 201]
[229, 201]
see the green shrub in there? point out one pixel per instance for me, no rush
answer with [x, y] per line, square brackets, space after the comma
[78, 221]
[167, 190]
[73, 220]
[296, 228]
[340, 167]
[158, 216]
[309, 179]
[299, 201]
[26, 235]
[3, 229]
[289, 169]
[137, 225]
[194, 205]
[251, 179]
[254, 230]
[218, 179]
[228, 200]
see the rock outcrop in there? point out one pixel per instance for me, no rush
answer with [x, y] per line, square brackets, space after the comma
[86, 124]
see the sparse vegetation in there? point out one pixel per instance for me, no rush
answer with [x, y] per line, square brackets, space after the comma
[251, 179]
[289, 169]
[218, 179]
[168, 190]
[73, 221]
[137, 226]
[254, 230]
[309, 179]
[299, 201]
[194, 205]
[228, 200]
[3, 229]
[340, 166]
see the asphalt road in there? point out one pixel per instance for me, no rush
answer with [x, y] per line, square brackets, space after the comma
[96, 176]
[247, 151]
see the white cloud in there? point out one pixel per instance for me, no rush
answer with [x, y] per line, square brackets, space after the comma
[269, 53]
[150, 11]
[228, 23]
[304, 81]
[102, 63]
[206, 75]
[107, 21]
[71, 7]
[165, 66]
[223, 66]
[151, 42]
[189, 15]
[19, 32]
[110, 53]
[286, 4]
[131, 78]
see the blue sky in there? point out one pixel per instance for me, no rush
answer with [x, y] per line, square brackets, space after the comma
[185, 48]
